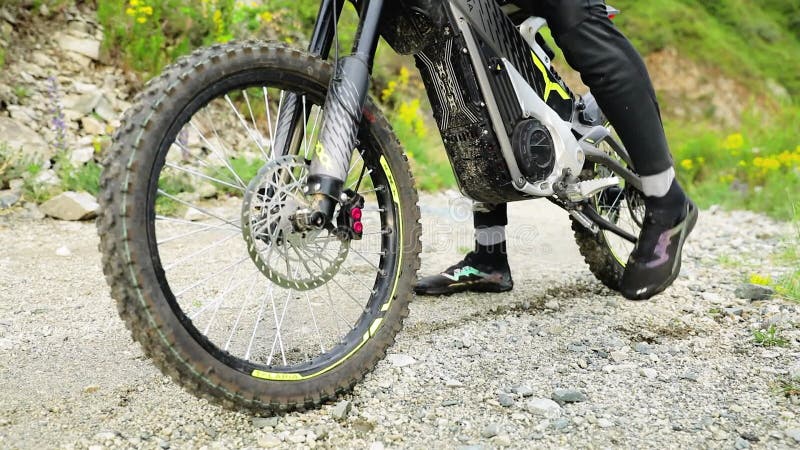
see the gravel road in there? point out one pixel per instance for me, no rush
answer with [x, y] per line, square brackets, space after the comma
[468, 371]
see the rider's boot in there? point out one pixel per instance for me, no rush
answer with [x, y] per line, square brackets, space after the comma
[483, 270]
[656, 260]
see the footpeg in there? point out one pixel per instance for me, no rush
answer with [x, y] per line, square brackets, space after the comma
[582, 190]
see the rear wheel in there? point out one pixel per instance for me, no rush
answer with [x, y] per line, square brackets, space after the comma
[605, 252]
[208, 273]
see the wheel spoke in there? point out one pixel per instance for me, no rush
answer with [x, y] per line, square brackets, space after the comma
[246, 128]
[204, 176]
[222, 157]
[189, 205]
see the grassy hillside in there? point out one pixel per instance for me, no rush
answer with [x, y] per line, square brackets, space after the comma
[746, 39]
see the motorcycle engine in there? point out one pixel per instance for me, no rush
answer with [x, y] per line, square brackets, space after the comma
[533, 150]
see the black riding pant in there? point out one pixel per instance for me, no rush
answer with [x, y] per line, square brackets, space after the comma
[616, 75]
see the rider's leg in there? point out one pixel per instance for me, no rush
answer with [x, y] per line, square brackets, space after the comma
[618, 78]
[490, 233]
[483, 270]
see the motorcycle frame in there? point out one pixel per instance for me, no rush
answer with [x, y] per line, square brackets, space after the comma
[483, 76]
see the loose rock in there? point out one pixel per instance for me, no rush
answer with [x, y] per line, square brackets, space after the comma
[544, 407]
[8, 198]
[568, 396]
[71, 206]
[341, 410]
[648, 372]
[261, 422]
[505, 400]
[491, 430]
[754, 292]
[400, 360]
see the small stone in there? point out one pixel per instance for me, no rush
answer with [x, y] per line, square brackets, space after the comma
[91, 389]
[16, 184]
[80, 43]
[741, 444]
[450, 402]
[552, 304]
[750, 436]
[104, 436]
[341, 410]
[733, 311]
[105, 109]
[568, 396]
[400, 360]
[648, 372]
[93, 126]
[8, 198]
[269, 441]
[794, 372]
[298, 437]
[81, 156]
[522, 391]
[560, 424]
[793, 433]
[490, 431]
[754, 292]
[262, 422]
[643, 348]
[505, 400]
[71, 206]
[452, 382]
[619, 355]
[604, 423]
[63, 251]
[502, 440]
[544, 407]
[194, 215]
[376, 446]
[207, 190]
[690, 376]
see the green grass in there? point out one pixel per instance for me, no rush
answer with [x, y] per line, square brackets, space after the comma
[85, 178]
[789, 388]
[756, 167]
[749, 41]
[788, 286]
[769, 337]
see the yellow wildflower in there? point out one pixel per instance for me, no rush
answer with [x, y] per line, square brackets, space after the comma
[134, 3]
[266, 17]
[141, 19]
[390, 88]
[734, 141]
[760, 280]
[404, 76]
[130, 12]
[687, 164]
[147, 10]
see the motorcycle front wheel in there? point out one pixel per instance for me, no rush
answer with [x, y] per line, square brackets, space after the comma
[234, 305]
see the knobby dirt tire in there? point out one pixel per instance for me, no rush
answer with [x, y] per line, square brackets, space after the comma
[128, 266]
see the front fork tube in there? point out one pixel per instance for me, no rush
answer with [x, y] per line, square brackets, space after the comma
[290, 128]
[342, 116]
